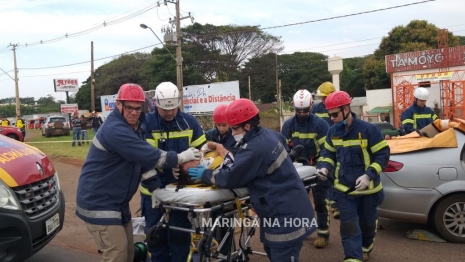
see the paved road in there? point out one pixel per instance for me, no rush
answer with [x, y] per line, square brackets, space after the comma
[391, 243]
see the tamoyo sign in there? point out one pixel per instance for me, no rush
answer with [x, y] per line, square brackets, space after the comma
[420, 60]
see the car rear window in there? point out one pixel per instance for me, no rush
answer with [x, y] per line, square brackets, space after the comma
[55, 119]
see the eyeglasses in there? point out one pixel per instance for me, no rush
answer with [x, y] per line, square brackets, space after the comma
[335, 114]
[130, 109]
[302, 110]
[234, 128]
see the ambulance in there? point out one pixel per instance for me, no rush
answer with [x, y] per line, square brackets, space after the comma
[32, 205]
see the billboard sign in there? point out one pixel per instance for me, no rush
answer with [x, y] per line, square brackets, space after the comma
[108, 104]
[68, 108]
[205, 98]
[66, 85]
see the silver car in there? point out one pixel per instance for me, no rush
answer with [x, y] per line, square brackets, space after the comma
[428, 187]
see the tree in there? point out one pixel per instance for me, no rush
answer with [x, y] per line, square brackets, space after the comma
[296, 71]
[416, 36]
[351, 76]
[461, 40]
[230, 46]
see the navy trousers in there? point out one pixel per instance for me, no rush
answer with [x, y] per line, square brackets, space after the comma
[289, 254]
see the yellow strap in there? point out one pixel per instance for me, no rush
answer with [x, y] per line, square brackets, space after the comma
[239, 208]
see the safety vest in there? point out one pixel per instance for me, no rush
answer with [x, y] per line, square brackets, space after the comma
[19, 123]
[5, 122]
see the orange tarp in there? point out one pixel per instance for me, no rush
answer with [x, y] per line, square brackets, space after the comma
[413, 141]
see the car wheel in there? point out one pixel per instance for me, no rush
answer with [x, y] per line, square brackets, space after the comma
[13, 137]
[449, 218]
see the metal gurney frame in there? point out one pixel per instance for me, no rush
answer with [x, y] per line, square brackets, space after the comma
[238, 249]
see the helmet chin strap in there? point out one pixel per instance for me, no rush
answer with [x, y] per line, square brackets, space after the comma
[344, 116]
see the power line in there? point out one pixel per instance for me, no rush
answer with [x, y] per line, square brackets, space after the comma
[348, 15]
[79, 63]
[92, 29]
[57, 74]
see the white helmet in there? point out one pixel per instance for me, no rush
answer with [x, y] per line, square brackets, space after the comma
[303, 99]
[167, 96]
[421, 93]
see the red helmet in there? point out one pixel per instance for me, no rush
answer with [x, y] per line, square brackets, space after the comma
[131, 92]
[239, 111]
[337, 99]
[219, 114]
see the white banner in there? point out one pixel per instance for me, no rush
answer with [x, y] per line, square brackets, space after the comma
[66, 84]
[69, 108]
[205, 98]
[108, 104]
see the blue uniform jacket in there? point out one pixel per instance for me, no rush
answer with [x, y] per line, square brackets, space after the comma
[277, 193]
[310, 133]
[320, 111]
[416, 117]
[214, 135]
[178, 135]
[359, 150]
[111, 173]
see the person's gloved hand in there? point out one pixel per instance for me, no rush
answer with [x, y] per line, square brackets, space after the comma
[322, 174]
[296, 152]
[176, 171]
[362, 182]
[196, 172]
[188, 155]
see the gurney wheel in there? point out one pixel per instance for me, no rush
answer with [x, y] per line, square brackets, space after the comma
[203, 246]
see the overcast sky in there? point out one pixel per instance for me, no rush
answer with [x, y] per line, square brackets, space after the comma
[32, 21]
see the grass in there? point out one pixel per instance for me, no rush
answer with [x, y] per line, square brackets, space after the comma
[58, 146]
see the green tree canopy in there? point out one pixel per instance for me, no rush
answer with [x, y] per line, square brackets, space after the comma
[416, 36]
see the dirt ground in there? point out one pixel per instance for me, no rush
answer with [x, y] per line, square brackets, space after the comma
[391, 242]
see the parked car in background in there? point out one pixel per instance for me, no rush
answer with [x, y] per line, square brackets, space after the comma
[428, 187]
[55, 126]
[12, 132]
[387, 129]
[32, 205]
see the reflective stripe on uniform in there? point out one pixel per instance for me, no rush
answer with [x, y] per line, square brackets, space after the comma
[202, 139]
[285, 237]
[322, 115]
[277, 163]
[311, 136]
[169, 135]
[144, 191]
[98, 213]
[97, 144]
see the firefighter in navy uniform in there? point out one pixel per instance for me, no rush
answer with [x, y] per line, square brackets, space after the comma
[320, 110]
[221, 133]
[276, 190]
[309, 130]
[112, 171]
[418, 115]
[357, 152]
[169, 129]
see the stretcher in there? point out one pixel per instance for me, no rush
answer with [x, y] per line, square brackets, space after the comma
[206, 203]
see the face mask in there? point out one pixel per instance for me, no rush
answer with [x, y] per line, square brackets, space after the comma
[238, 137]
[341, 124]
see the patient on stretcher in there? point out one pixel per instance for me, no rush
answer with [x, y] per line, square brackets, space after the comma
[213, 157]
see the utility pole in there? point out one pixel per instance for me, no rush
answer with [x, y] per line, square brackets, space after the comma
[18, 103]
[277, 81]
[179, 55]
[250, 91]
[177, 22]
[92, 80]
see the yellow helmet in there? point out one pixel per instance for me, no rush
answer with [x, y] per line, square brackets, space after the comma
[325, 89]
